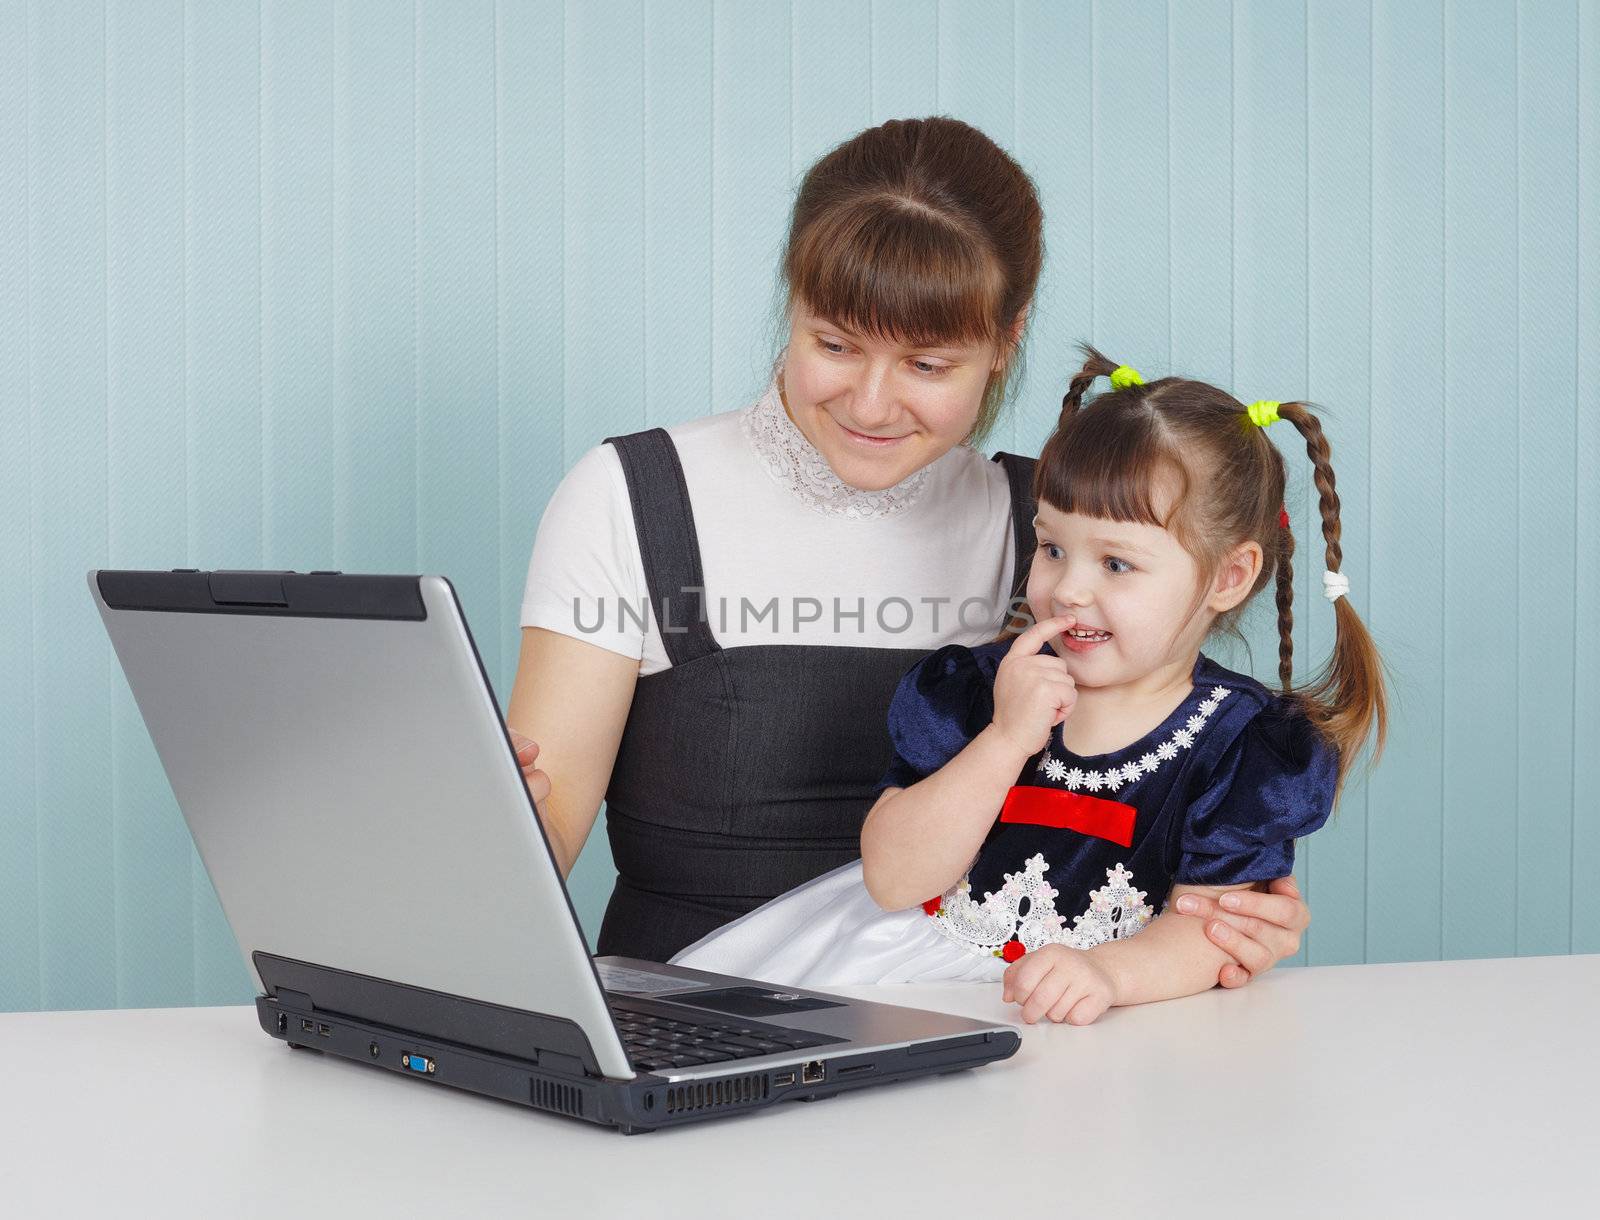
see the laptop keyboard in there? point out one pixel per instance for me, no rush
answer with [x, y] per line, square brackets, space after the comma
[655, 1041]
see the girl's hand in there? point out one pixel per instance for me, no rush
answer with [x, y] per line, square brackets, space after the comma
[1033, 692]
[1060, 983]
[1257, 930]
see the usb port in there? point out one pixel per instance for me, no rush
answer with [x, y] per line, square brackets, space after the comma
[324, 1030]
[308, 1025]
[779, 1082]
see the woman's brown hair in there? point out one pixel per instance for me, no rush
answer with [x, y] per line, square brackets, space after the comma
[919, 230]
[1108, 460]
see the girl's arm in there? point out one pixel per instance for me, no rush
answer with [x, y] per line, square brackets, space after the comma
[1170, 958]
[917, 841]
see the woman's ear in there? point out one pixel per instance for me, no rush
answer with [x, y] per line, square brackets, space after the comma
[1017, 323]
[1236, 577]
[1013, 339]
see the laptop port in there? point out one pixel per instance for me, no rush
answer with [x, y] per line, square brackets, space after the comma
[308, 1025]
[283, 1022]
[813, 1072]
[787, 1078]
[418, 1063]
[324, 1030]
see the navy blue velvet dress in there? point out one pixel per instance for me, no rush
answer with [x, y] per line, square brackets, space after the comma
[1214, 795]
[1083, 851]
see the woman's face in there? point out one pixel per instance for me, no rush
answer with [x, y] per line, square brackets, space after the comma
[878, 410]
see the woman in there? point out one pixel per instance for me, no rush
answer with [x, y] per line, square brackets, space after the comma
[716, 616]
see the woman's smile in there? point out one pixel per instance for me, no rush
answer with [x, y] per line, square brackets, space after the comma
[872, 442]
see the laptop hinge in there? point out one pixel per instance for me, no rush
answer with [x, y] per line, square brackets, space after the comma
[557, 1044]
[298, 1000]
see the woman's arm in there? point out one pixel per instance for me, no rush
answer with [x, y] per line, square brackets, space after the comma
[572, 698]
[1256, 931]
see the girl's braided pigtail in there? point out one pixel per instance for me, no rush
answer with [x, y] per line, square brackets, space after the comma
[1285, 578]
[1094, 365]
[1347, 700]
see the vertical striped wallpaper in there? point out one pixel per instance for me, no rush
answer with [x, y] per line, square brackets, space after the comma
[315, 284]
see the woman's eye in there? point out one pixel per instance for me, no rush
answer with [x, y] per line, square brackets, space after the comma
[828, 345]
[927, 366]
[1117, 566]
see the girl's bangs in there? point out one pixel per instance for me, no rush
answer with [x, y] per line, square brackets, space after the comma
[1117, 473]
[897, 272]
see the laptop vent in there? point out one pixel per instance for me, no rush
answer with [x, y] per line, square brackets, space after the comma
[562, 1098]
[716, 1094]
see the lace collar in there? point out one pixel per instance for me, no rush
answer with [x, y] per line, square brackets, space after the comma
[792, 461]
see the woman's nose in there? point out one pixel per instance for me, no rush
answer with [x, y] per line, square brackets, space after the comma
[872, 405]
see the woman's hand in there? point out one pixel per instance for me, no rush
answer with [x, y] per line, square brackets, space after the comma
[539, 789]
[1060, 983]
[1258, 930]
[572, 697]
[527, 755]
[1033, 692]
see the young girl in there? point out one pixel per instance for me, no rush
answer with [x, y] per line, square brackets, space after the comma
[1098, 767]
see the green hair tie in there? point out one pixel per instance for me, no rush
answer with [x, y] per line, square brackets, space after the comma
[1263, 412]
[1124, 376]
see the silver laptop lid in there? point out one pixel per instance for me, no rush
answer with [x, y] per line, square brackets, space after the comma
[339, 757]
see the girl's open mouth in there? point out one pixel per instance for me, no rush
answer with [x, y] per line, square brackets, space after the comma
[1084, 639]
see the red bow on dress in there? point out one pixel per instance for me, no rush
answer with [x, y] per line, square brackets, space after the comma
[1090, 815]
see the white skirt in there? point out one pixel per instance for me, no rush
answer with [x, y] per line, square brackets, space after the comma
[830, 933]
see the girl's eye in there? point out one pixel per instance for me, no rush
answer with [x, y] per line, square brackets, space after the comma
[829, 345]
[927, 366]
[1051, 551]
[1117, 566]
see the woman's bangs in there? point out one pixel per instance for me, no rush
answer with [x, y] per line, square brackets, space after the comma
[899, 273]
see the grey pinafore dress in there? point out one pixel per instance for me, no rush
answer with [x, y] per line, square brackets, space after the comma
[746, 771]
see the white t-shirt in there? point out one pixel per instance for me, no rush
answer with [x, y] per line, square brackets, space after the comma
[790, 553]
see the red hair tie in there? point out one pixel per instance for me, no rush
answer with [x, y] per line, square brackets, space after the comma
[1283, 518]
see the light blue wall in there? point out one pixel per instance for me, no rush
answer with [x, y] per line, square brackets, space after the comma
[307, 285]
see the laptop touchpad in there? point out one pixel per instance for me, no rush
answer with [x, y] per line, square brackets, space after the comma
[752, 1001]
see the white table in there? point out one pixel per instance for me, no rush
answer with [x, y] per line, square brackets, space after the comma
[1454, 1088]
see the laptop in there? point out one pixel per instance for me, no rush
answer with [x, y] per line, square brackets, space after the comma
[339, 756]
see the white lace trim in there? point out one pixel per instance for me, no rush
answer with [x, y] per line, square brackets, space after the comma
[1116, 911]
[1113, 778]
[795, 463]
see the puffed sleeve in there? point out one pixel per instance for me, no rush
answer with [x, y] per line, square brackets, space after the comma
[941, 704]
[1273, 785]
[585, 565]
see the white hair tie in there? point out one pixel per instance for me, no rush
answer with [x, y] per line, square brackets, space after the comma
[1335, 585]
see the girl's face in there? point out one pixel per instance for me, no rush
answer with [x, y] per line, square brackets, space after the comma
[877, 410]
[1132, 588]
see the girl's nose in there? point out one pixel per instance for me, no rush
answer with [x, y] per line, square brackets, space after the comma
[1072, 595]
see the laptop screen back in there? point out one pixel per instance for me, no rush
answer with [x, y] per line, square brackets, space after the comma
[345, 773]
